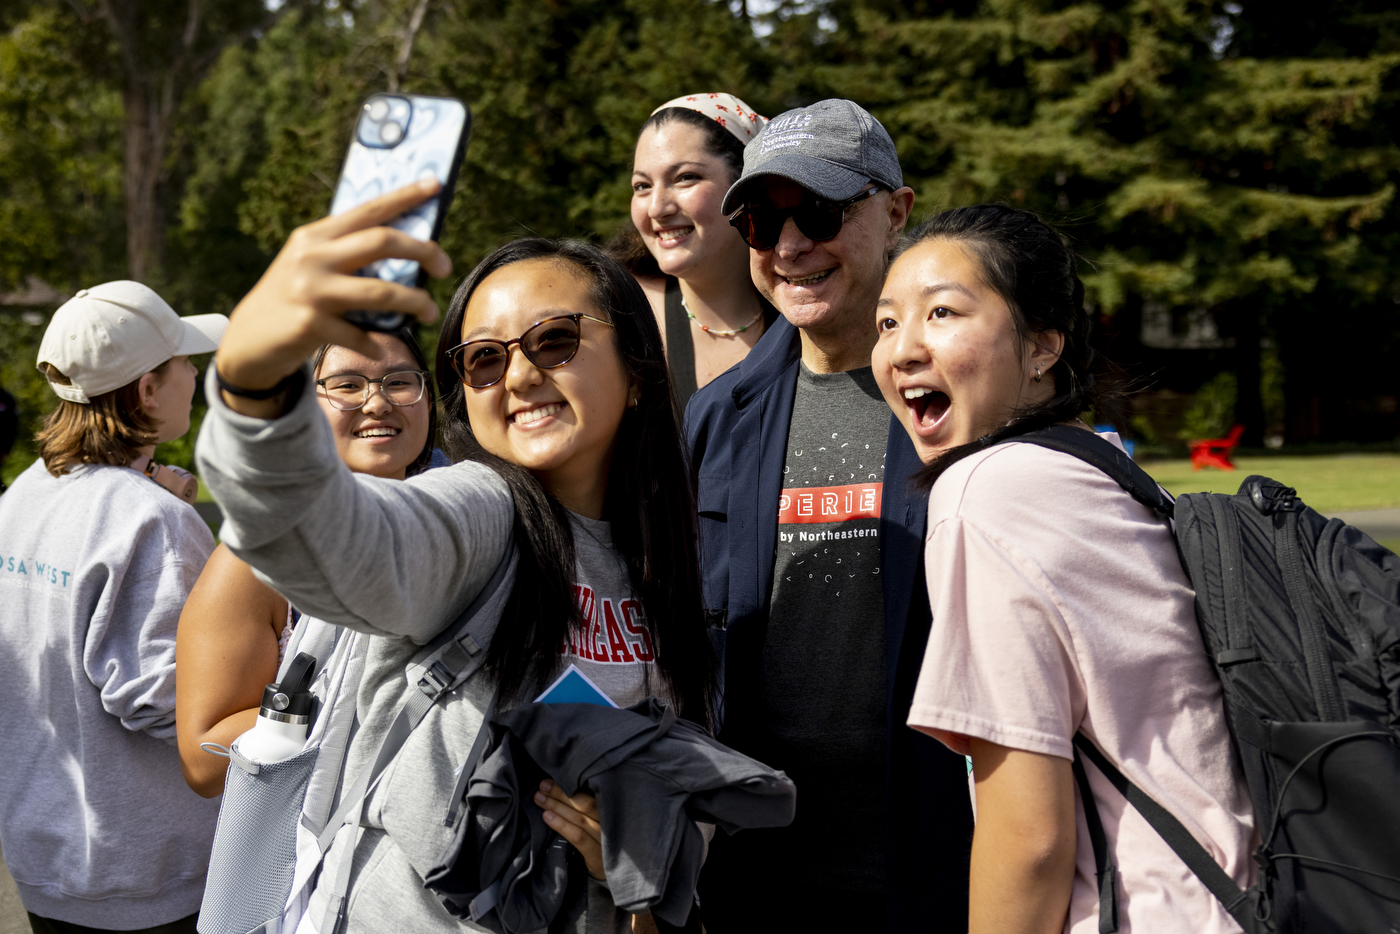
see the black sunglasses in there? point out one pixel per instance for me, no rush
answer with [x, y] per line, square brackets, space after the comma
[760, 225]
[547, 344]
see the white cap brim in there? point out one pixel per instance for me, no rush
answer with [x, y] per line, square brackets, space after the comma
[202, 334]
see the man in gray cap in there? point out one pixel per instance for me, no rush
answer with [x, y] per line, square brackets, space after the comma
[811, 547]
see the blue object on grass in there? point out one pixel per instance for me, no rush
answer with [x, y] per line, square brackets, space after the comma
[1127, 445]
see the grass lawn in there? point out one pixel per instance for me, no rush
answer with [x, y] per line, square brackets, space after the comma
[1330, 483]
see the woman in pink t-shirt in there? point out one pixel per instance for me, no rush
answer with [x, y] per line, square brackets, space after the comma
[1059, 603]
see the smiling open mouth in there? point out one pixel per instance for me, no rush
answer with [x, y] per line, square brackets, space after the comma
[377, 433]
[673, 234]
[928, 405]
[808, 280]
[530, 416]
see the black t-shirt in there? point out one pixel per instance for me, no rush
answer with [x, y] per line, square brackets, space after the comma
[823, 685]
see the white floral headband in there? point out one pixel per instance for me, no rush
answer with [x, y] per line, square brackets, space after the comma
[725, 109]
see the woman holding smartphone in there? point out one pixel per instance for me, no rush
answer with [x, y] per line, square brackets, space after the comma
[691, 262]
[234, 628]
[557, 410]
[1059, 603]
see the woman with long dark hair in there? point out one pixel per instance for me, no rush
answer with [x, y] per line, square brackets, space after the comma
[691, 262]
[569, 475]
[619, 465]
[1060, 606]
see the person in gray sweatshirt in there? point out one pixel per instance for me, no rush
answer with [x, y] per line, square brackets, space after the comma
[96, 559]
[559, 416]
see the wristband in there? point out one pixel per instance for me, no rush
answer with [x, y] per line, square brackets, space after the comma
[282, 386]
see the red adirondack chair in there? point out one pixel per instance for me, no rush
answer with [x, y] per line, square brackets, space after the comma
[1215, 452]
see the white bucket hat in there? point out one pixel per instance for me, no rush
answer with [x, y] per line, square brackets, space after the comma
[112, 334]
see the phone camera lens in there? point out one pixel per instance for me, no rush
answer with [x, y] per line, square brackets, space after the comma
[391, 133]
[377, 109]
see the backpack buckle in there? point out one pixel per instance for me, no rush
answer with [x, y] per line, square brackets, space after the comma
[435, 680]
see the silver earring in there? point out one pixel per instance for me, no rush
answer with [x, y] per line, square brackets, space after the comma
[1037, 374]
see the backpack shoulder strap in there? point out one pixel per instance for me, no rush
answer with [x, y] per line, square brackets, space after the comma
[313, 637]
[444, 663]
[1240, 903]
[1104, 867]
[1099, 453]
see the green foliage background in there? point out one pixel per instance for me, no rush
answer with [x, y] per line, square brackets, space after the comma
[1239, 156]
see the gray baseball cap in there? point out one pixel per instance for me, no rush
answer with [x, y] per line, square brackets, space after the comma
[831, 148]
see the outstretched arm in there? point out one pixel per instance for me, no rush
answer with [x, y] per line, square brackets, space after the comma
[380, 556]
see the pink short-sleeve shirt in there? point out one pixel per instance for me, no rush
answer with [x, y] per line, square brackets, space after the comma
[1059, 605]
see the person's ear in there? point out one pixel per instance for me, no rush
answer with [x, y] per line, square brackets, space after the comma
[901, 204]
[146, 391]
[1046, 347]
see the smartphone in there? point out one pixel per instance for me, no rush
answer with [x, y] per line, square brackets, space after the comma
[400, 139]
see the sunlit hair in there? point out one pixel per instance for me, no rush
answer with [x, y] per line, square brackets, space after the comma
[409, 339]
[110, 429]
[1032, 267]
[649, 500]
[719, 142]
[627, 246]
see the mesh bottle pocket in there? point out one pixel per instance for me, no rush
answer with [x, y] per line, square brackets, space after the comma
[255, 846]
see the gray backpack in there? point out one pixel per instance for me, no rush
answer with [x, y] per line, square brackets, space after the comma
[275, 822]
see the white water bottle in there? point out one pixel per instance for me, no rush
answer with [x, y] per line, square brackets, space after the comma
[284, 717]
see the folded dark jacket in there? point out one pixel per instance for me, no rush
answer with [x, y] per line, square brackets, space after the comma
[654, 775]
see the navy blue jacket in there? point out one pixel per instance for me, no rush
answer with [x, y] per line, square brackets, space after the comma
[737, 429]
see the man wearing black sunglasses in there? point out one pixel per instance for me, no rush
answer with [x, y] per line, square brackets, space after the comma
[811, 546]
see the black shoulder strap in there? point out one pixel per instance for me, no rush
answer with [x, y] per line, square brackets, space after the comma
[1238, 902]
[1094, 450]
[1104, 867]
[680, 349]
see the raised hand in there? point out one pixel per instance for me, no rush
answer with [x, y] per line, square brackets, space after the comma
[297, 304]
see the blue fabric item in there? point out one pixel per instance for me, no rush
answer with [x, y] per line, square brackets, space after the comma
[736, 427]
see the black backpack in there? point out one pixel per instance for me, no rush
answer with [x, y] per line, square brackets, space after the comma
[1301, 617]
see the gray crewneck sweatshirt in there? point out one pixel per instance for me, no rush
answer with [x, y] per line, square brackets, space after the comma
[400, 560]
[96, 821]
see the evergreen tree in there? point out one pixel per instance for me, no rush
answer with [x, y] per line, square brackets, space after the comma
[1189, 171]
[60, 157]
[1343, 383]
